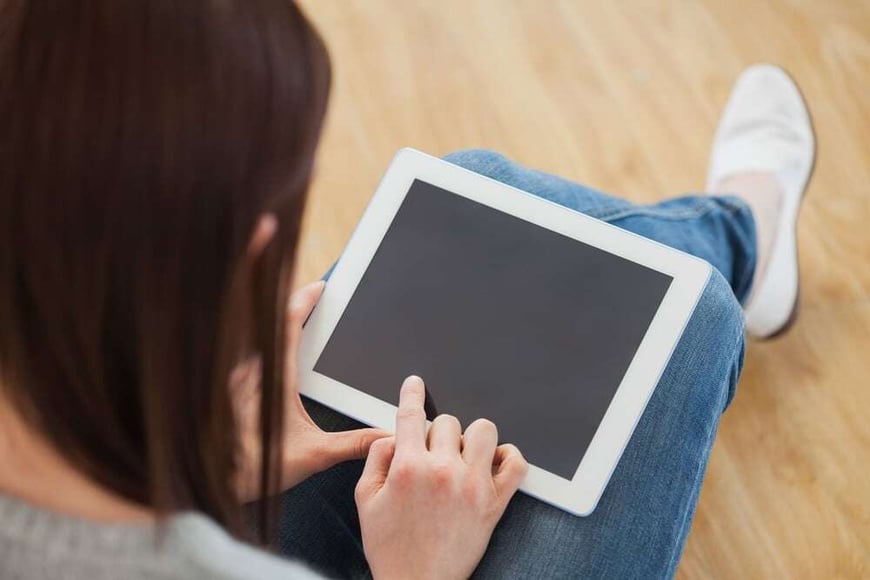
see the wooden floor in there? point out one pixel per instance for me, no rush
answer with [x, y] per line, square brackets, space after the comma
[625, 96]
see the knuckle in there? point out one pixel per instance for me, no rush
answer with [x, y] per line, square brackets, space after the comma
[362, 447]
[380, 445]
[442, 475]
[517, 464]
[524, 464]
[404, 473]
[521, 466]
[473, 493]
[410, 414]
[359, 492]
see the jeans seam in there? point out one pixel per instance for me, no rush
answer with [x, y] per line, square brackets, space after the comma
[677, 552]
[740, 348]
[676, 555]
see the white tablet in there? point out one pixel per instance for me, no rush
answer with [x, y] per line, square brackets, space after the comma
[553, 324]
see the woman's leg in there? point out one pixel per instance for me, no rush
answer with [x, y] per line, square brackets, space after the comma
[641, 522]
[640, 525]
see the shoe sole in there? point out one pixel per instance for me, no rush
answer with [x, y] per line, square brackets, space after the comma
[795, 312]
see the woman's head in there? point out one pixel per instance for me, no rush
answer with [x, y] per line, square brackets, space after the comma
[141, 141]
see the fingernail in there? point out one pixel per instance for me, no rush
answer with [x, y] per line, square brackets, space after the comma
[314, 287]
[413, 381]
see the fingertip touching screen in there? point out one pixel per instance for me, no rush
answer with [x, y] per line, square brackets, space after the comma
[502, 319]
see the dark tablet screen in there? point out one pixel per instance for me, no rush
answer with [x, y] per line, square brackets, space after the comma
[503, 319]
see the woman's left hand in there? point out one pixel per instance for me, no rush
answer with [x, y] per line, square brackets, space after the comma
[307, 448]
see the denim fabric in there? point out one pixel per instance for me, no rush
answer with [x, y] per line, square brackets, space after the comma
[640, 525]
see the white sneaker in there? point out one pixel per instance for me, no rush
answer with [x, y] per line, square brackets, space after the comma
[766, 128]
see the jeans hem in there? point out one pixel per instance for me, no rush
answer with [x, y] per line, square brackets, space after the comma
[699, 209]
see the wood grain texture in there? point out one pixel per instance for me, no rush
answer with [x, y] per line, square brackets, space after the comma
[625, 96]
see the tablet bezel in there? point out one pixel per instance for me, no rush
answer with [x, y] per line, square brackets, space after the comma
[579, 495]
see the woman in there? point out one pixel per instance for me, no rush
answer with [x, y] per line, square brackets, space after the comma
[156, 156]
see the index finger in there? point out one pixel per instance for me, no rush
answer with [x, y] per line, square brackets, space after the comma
[411, 418]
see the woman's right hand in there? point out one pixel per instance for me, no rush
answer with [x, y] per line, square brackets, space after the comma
[428, 504]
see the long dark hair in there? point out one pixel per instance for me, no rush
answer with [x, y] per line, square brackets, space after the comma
[140, 141]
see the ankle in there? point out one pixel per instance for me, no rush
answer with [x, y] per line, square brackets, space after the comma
[763, 194]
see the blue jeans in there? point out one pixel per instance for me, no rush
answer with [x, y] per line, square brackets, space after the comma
[640, 525]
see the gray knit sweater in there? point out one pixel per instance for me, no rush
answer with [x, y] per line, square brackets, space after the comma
[37, 544]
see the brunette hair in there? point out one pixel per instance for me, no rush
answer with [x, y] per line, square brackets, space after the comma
[140, 141]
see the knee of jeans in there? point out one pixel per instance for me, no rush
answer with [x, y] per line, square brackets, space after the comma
[721, 315]
[483, 161]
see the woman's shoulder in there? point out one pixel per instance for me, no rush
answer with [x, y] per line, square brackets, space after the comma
[206, 549]
[37, 543]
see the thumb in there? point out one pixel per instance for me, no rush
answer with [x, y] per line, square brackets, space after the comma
[348, 445]
[377, 467]
[302, 303]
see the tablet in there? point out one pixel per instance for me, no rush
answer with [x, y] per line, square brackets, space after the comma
[553, 324]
